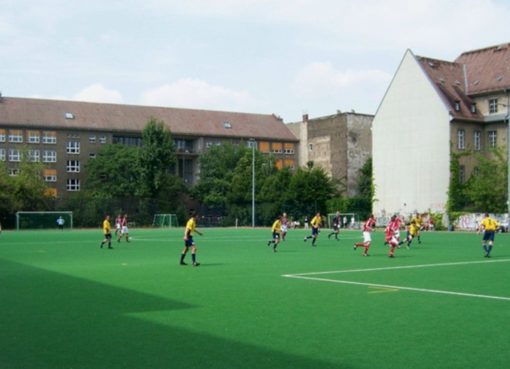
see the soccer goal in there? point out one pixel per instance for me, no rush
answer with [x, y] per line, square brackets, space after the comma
[43, 219]
[165, 220]
[347, 220]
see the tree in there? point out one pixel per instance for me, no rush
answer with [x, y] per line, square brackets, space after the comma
[487, 190]
[30, 189]
[114, 173]
[156, 157]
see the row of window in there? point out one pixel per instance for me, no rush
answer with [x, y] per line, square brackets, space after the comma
[14, 155]
[492, 139]
[35, 137]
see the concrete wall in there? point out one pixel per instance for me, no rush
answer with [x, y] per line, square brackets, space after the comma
[411, 144]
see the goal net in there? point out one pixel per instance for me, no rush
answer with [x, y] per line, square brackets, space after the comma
[43, 219]
[165, 220]
[347, 220]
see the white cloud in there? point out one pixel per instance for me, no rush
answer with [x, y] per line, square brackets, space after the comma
[98, 93]
[198, 94]
[323, 79]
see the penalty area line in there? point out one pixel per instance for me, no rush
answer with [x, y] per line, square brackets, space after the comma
[387, 286]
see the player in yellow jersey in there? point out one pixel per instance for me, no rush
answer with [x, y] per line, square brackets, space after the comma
[107, 232]
[412, 232]
[276, 229]
[188, 240]
[488, 226]
[316, 224]
[418, 220]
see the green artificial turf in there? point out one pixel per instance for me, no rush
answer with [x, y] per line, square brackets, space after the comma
[66, 303]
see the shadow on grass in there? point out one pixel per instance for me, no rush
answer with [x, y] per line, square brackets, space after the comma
[49, 320]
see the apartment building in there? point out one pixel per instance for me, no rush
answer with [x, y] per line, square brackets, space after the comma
[340, 144]
[65, 135]
[432, 108]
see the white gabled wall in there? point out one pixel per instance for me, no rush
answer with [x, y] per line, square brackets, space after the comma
[411, 144]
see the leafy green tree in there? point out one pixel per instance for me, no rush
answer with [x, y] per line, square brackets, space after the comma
[30, 189]
[114, 173]
[456, 198]
[487, 190]
[156, 157]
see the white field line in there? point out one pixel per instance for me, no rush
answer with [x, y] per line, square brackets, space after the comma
[309, 276]
[401, 267]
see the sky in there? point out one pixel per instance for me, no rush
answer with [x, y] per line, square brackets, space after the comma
[281, 57]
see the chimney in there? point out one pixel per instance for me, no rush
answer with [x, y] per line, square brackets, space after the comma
[305, 118]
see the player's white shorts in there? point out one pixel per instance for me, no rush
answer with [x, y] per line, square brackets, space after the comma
[117, 226]
[284, 228]
[367, 237]
[125, 230]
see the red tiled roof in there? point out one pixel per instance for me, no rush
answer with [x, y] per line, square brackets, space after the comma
[487, 69]
[472, 73]
[130, 118]
[449, 79]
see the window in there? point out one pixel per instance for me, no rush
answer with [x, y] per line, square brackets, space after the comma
[92, 139]
[277, 147]
[288, 148]
[73, 184]
[34, 156]
[34, 137]
[49, 156]
[14, 155]
[16, 136]
[127, 140]
[473, 108]
[461, 139]
[264, 146]
[2, 154]
[208, 144]
[73, 147]
[49, 137]
[493, 138]
[50, 175]
[102, 139]
[251, 144]
[2, 135]
[73, 166]
[92, 155]
[457, 105]
[69, 115]
[227, 125]
[462, 174]
[477, 140]
[13, 172]
[310, 147]
[290, 163]
[493, 106]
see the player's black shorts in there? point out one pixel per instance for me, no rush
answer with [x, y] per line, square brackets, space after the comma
[108, 236]
[488, 236]
[189, 242]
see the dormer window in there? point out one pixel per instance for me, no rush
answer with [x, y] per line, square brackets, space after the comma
[457, 105]
[473, 108]
[69, 115]
[227, 125]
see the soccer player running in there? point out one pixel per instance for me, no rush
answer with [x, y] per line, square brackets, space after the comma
[315, 223]
[418, 220]
[391, 238]
[276, 229]
[191, 226]
[107, 232]
[488, 225]
[124, 229]
[118, 224]
[412, 232]
[285, 225]
[368, 227]
[336, 221]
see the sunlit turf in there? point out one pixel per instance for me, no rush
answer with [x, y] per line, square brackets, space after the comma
[66, 303]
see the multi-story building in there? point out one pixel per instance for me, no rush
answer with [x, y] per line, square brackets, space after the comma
[432, 108]
[65, 135]
[339, 143]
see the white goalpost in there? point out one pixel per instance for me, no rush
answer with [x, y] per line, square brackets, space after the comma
[43, 219]
[165, 220]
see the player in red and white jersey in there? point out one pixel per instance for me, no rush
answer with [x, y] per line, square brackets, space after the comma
[118, 224]
[124, 229]
[368, 227]
[390, 237]
[285, 225]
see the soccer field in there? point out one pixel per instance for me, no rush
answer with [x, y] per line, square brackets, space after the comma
[66, 303]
